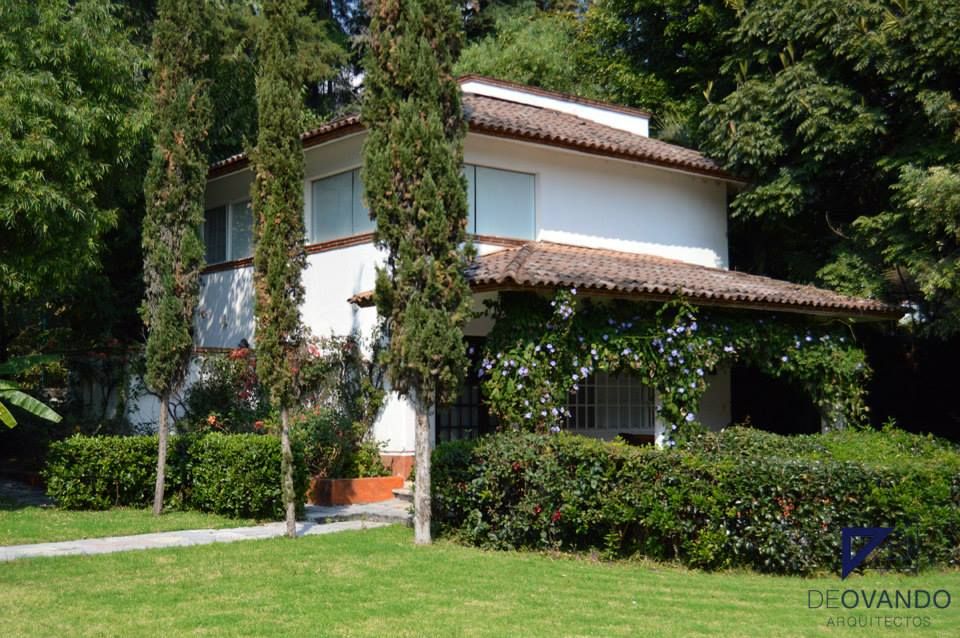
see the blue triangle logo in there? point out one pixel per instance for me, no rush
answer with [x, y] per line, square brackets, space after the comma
[876, 535]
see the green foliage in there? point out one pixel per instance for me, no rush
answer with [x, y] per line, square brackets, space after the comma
[277, 194]
[844, 115]
[921, 235]
[345, 392]
[12, 394]
[739, 498]
[227, 396]
[336, 447]
[173, 252]
[71, 121]
[525, 48]
[414, 187]
[238, 26]
[100, 472]
[662, 55]
[234, 475]
[538, 353]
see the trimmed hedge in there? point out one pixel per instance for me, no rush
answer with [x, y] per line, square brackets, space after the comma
[738, 499]
[231, 474]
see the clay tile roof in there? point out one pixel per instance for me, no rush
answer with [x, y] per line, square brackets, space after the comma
[512, 119]
[503, 118]
[546, 265]
[550, 265]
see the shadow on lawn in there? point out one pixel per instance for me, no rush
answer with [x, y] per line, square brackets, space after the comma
[15, 495]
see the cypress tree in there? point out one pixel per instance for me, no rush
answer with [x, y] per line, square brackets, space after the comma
[173, 252]
[277, 196]
[415, 189]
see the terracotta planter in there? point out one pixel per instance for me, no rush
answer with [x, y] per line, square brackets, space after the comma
[352, 491]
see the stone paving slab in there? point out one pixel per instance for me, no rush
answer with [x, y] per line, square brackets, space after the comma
[393, 511]
[184, 538]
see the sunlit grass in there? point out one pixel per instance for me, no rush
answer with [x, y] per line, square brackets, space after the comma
[377, 583]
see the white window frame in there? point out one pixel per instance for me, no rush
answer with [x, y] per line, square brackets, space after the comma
[620, 383]
[308, 202]
[228, 225]
[536, 195]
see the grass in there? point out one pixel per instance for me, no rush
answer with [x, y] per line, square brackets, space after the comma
[22, 525]
[376, 583]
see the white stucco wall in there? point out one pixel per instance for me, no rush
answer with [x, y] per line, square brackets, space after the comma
[580, 199]
[587, 200]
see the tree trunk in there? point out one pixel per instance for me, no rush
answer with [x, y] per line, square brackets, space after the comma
[286, 469]
[421, 489]
[161, 454]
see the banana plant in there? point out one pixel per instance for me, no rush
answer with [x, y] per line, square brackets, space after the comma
[12, 395]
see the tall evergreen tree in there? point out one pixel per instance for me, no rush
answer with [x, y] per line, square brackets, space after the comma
[277, 196]
[174, 190]
[414, 186]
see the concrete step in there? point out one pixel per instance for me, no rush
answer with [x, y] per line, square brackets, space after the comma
[403, 493]
[392, 511]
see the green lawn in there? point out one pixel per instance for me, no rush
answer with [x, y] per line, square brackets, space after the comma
[376, 583]
[22, 525]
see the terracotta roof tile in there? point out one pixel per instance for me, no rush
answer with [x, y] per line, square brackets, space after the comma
[546, 265]
[503, 118]
[550, 265]
[512, 119]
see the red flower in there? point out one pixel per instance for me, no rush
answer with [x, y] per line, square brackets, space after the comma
[258, 425]
[537, 510]
[555, 517]
[516, 466]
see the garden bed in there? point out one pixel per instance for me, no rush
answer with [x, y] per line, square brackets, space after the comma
[354, 491]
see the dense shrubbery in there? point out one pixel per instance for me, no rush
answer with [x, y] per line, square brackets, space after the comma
[740, 498]
[336, 447]
[236, 475]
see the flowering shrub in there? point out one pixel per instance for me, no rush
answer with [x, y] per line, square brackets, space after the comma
[227, 396]
[539, 352]
[737, 499]
[336, 447]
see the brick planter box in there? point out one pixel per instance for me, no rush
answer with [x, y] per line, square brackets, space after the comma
[352, 491]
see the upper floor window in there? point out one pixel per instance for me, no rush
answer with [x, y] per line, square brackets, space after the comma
[501, 203]
[337, 208]
[228, 232]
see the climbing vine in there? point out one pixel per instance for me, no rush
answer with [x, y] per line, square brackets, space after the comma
[540, 351]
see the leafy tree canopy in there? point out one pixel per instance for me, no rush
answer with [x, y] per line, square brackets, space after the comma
[845, 116]
[71, 121]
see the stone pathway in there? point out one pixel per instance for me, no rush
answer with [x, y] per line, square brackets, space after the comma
[177, 539]
[393, 511]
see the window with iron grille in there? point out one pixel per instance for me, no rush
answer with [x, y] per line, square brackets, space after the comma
[612, 401]
[468, 416]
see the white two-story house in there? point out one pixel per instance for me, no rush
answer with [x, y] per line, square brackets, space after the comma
[563, 191]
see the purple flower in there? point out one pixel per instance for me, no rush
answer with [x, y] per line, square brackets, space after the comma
[690, 417]
[553, 364]
[573, 291]
[784, 358]
[528, 415]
